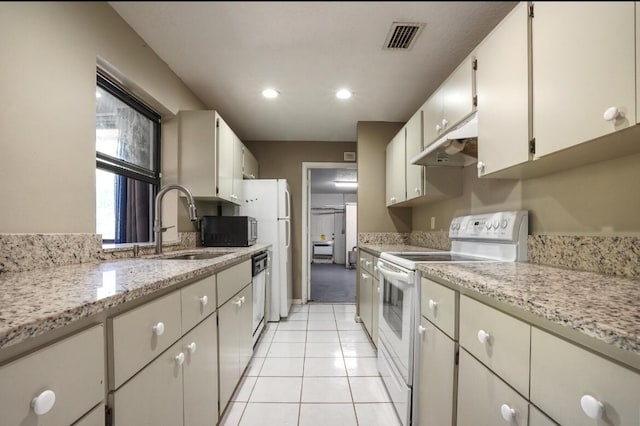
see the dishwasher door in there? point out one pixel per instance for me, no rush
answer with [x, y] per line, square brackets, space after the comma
[259, 281]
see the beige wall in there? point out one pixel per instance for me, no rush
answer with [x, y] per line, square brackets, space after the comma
[283, 160]
[373, 137]
[596, 199]
[49, 56]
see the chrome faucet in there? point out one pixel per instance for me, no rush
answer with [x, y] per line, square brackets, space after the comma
[157, 224]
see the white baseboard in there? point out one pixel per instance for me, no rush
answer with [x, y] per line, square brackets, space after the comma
[296, 302]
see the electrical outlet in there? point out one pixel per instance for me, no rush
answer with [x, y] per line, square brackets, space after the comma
[433, 222]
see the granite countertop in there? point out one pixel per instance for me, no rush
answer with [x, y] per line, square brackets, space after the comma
[40, 300]
[603, 307]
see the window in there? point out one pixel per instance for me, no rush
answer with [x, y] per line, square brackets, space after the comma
[127, 165]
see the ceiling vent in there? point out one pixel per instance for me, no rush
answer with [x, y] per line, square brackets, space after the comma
[402, 35]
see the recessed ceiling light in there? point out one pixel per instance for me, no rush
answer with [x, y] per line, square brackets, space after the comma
[270, 93]
[343, 94]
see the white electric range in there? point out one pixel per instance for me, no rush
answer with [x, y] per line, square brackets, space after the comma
[488, 237]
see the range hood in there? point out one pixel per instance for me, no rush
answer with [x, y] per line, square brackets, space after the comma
[457, 148]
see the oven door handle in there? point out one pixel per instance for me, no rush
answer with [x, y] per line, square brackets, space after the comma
[403, 277]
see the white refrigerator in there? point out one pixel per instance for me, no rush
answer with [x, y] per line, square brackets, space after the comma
[269, 201]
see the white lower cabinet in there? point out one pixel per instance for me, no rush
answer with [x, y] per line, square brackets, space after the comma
[154, 395]
[577, 387]
[369, 295]
[537, 418]
[55, 385]
[234, 341]
[484, 399]
[436, 383]
[200, 373]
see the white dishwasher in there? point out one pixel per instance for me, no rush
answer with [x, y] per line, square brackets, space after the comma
[259, 263]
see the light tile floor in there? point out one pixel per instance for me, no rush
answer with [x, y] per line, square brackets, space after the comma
[317, 368]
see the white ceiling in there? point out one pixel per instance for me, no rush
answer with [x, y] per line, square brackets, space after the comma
[228, 52]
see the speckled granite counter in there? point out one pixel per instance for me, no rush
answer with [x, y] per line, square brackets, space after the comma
[601, 307]
[40, 300]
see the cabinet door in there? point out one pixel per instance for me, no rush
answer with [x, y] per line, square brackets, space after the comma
[414, 174]
[583, 64]
[436, 376]
[225, 147]
[375, 302]
[236, 194]
[245, 329]
[482, 396]
[366, 300]
[154, 395]
[249, 164]
[228, 344]
[502, 81]
[458, 94]
[197, 159]
[433, 110]
[395, 172]
[201, 373]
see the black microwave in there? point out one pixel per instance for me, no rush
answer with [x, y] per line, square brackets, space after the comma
[228, 231]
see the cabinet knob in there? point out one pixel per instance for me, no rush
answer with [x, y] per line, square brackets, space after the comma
[191, 347]
[433, 304]
[180, 358]
[613, 113]
[238, 302]
[377, 289]
[445, 123]
[480, 166]
[592, 407]
[392, 199]
[484, 337]
[364, 276]
[507, 413]
[421, 329]
[158, 329]
[204, 300]
[43, 403]
[417, 190]
[438, 128]
[242, 300]
[368, 263]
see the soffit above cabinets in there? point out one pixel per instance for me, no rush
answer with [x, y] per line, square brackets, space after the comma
[228, 52]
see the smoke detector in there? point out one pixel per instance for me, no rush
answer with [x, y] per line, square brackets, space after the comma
[402, 35]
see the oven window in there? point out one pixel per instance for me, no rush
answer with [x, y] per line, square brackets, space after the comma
[392, 307]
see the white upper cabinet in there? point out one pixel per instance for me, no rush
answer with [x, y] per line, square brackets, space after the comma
[395, 170]
[249, 164]
[210, 162]
[584, 77]
[414, 174]
[450, 103]
[502, 81]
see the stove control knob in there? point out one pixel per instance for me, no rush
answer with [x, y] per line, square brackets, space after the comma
[504, 223]
[495, 223]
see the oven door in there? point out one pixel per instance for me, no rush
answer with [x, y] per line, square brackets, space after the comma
[396, 314]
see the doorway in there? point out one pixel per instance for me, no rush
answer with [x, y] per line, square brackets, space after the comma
[331, 232]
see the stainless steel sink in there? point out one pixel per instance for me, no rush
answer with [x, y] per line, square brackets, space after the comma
[195, 256]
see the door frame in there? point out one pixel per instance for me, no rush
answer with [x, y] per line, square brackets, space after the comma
[306, 218]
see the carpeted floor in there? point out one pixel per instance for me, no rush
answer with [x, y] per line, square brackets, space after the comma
[332, 283]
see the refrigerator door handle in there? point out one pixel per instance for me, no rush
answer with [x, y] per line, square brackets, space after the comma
[288, 203]
[288, 229]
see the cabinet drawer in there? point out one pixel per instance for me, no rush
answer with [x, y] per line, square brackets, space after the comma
[562, 373]
[198, 302]
[154, 395]
[142, 334]
[482, 395]
[232, 280]
[94, 417]
[505, 345]
[72, 368]
[438, 305]
[366, 261]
